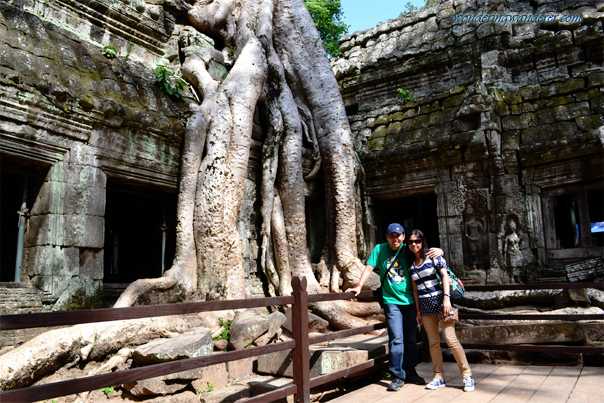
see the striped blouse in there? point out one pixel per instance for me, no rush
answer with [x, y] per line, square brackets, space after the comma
[425, 277]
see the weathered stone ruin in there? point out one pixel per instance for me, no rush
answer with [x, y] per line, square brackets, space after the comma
[498, 158]
[500, 151]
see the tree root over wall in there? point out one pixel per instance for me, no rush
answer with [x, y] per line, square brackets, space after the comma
[281, 69]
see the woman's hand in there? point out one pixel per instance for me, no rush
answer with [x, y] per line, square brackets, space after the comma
[447, 306]
[434, 253]
[418, 318]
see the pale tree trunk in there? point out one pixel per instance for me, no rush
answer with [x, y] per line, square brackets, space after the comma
[281, 68]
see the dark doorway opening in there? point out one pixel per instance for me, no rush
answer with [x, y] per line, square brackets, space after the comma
[415, 212]
[138, 224]
[14, 179]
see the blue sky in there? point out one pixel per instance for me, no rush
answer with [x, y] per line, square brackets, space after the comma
[365, 14]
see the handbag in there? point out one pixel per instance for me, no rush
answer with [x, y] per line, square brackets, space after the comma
[453, 316]
[456, 288]
[378, 292]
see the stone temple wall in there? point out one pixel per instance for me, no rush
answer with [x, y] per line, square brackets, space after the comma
[504, 121]
[73, 120]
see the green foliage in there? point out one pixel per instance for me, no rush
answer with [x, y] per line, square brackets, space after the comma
[408, 8]
[208, 388]
[109, 51]
[231, 51]
[327, 15]
[108, 390]
[226, 332]
[167, 82]
[431, 2]
[404, 95]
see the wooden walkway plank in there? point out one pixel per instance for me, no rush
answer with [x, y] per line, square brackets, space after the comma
[589, 387]
[522, 389]
[491, 385]
[455, 385]
[558, 386]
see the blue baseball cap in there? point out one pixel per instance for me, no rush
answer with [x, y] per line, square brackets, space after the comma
[395, 227]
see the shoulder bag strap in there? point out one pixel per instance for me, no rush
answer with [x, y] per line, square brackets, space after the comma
[390, 265]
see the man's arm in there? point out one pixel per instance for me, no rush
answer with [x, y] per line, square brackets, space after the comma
[364, 276]
[435, 252]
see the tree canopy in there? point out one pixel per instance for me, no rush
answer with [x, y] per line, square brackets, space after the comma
[327, 15]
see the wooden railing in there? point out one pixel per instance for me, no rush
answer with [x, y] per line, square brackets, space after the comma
[300, 300]
[300, 387]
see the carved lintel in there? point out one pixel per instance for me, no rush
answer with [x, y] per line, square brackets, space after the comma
[46, 154]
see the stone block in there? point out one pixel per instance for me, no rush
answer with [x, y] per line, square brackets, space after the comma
[84, 200]
[247, 326]
[154, 387]
[542, 333]
[50, 199]
[450, 225]
[572, 298]
[194, 343]
[261, 385]
[84, 231]
[240, 369]
[510, 162]
[51, 260]
[231, 394]
[217, 374]
[315, 323]
[589, 123]
[325, 360]
[505, 184]
[48, 229]
[517, 122]
[91, 262]
[595, 78]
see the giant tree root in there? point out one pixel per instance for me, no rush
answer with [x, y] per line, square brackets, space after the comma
[93, 341]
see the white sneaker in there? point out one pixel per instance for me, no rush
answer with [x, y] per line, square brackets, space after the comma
[436, 384]
[468, 384]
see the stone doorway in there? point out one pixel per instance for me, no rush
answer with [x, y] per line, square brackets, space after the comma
[414, 212]
[14, 178]
[140, 234]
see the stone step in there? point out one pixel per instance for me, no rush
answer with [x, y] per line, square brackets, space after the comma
[337, 355]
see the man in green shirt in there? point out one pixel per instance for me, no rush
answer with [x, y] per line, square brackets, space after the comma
[399, 305]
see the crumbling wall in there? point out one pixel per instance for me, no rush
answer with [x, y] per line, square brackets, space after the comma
[499, 113]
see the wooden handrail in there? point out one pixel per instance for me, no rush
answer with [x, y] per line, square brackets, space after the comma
[47, 319]
[299, 301]
[56, 389]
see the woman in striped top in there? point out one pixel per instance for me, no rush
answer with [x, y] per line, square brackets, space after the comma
[431, 297]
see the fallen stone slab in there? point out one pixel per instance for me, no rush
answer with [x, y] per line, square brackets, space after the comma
[324, 360]
[154, 387]
[230, 394]
[249, 325]
[196, 342]
[185, 397]
[263, 384]
[315, 323]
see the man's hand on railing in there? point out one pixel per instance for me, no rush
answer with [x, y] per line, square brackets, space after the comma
[356, 290]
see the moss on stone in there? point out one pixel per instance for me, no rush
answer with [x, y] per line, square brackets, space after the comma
[380, 132]
[453, 101]
[502, 109]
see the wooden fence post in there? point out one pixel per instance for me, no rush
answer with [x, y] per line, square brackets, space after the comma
[300, 355]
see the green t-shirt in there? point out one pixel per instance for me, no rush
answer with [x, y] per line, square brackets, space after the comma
[397, 284]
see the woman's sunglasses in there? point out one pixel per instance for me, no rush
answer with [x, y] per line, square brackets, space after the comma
[415, 241]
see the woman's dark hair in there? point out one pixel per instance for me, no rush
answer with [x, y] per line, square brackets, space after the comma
[422, 238]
